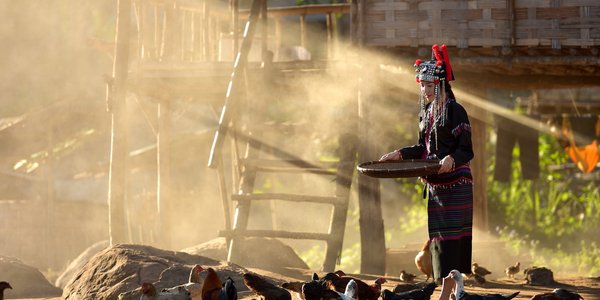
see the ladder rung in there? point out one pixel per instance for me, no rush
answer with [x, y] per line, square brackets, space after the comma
[276, 234]
[287, 197]
[289, 165]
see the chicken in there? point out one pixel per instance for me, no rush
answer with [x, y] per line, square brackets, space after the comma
[294, 286]
[423, 260]
[405, 287]
[4, 285]
[407, 277]
[479, 270]
[195, 274]
[558, 294]
[416, 294]
[365, 291]
[349, 293]
[178, 293]
[512, 270]
[461, 294]
[211, 288]
[264, 288]
[228, 291]
[479, 279]
[317, 289]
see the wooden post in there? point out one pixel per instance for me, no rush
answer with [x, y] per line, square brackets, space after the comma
[119, 143]
[372, 238]
[478, 169]
[163, 153]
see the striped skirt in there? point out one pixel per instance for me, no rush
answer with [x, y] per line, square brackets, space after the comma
[450, 221]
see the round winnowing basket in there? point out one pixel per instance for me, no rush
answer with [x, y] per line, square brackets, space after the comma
[400, 168]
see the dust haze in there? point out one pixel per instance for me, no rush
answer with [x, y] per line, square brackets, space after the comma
[56, 135]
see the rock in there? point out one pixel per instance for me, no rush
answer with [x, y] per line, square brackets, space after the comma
[79, 262]
[539, 276]
[122, 268]
[262, 253]
[26, 281]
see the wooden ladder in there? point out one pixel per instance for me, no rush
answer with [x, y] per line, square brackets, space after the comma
[247, 167]
[251, 164]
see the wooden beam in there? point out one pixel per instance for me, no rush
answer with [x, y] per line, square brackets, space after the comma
[369, 195]
[478, 169]
[315, 9]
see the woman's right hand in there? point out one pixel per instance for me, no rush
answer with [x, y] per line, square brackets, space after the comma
[394, 155]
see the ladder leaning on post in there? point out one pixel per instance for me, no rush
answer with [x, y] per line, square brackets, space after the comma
[284, 162]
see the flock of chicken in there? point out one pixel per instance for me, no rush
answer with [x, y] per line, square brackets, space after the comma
[205, 284]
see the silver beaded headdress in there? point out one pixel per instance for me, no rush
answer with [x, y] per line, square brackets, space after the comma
[437, 70]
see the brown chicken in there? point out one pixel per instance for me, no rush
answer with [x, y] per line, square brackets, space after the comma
[365, 291]
[212, 285]
[476, 269]
[512, 270]
[423, 261]
[4, 285]
[407, 277]
[264, 288]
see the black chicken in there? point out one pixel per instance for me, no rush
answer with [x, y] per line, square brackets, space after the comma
[416, 294]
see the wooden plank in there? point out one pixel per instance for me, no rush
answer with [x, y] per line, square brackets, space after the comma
[315, 9]
[286, 197]
[275, 234]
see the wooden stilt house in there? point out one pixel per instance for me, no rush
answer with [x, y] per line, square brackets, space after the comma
[168, 49]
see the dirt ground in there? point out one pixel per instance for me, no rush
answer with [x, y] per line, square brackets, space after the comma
[588, 288]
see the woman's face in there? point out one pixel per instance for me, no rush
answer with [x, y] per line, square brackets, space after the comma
[427, 89]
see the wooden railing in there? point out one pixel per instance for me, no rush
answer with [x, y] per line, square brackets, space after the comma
[178, 30]
[198, 31]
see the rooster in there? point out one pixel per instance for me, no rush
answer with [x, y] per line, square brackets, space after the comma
[558, 294]
[4, 285]
[178, 293]
[407, 277]
[512, 270]
[264, 288]
[365, 291]
[423, 260]
[461, 294]
[211, 288]
[416, 294]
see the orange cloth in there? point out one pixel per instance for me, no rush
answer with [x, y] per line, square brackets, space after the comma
[585, 157]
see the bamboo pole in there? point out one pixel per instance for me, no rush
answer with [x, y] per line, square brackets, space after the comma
[163, 155]
[119, 142]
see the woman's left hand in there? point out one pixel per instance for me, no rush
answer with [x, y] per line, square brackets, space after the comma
[447, 164]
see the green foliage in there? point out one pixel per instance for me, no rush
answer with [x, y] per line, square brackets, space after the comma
[554, 218]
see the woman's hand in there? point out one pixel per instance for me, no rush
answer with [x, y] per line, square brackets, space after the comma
[447, 164]
[394, 155]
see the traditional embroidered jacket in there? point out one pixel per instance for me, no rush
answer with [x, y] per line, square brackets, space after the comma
[451, 137]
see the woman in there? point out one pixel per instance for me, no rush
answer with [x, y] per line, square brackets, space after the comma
[445, 134]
